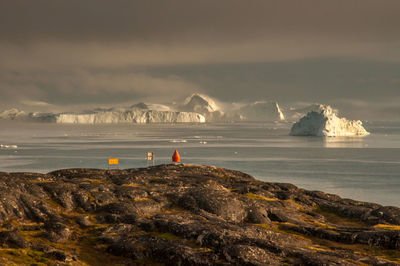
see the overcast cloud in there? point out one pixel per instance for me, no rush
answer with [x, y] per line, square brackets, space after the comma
[102, 52]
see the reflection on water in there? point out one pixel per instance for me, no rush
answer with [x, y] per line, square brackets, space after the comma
[345, 142]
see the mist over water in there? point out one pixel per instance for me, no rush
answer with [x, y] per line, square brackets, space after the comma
[365, 168]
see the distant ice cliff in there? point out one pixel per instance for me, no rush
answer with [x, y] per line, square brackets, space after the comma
[133, 116]
[326, 123]
[107, 116]
[213, 112]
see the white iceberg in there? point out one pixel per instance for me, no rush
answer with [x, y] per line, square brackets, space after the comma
[4, 146]
[327, 123]
[199, 103]
[261, 111]
[203, 105]
[213, 112]
[197, 108]
[133, 116]
[13, 114]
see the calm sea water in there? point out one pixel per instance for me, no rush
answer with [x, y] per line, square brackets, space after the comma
[365, 168]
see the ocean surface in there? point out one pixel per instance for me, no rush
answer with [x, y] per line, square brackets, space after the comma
[366, 168]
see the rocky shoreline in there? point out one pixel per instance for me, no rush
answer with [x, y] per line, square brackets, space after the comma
[186, 215]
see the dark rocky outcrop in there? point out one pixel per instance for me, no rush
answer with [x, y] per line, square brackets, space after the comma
[186, 215]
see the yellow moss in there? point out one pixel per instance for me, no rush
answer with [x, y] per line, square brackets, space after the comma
[53, 204]
[289, 232]
[284, 223]
[131, 185]
[89, 253]
[259, 197]
[20, 224]
[264, 226]
[35, 181]
[336, 218]
[295, 204]
[206, 250]
[91, 197]
[92, 180]
[141, 199]
[22, 256]
[86, 247]
[222, 176]
[30, 235]
[319, 224]
[318, 248]
[360, 249]
[387, 226]
[167, 236]
[106, 203]
[31, 223]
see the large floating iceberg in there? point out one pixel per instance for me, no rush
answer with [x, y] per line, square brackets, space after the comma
[204, 105]
[327, 123]
[133, 116]
[107, 116]
[199, 103]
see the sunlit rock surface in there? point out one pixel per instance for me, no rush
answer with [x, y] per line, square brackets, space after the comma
[326, 123]
[186, 215]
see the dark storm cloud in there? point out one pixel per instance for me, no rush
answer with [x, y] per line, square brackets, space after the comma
[98, 51]
[100, 32]
[206, 20]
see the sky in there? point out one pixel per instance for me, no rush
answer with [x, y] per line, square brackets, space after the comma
[57, 54]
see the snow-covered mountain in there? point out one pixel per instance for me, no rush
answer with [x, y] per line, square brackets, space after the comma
[327, 123]
[261, 111]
